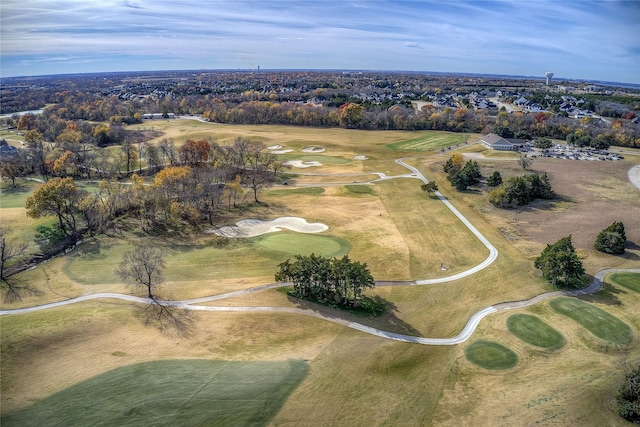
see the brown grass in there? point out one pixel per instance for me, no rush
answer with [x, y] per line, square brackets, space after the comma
[357, 379]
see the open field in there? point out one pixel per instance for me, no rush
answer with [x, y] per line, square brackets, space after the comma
[343, 376]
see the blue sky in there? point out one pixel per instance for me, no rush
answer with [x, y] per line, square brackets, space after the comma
[594, 40]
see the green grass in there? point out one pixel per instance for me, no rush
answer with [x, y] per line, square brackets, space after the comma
[171, 392]
[491, 355]
[627, 280]
[304, 244]
[600, 323]
[15, 197]
[430, 140]
[95, 261]
[534, 331]
[359, 189]
[325, 160]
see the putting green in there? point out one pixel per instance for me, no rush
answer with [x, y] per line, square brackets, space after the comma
[304, 244]
[534, 331]
[171, 392]
[491, 355]
[597, 321]
[626, 280]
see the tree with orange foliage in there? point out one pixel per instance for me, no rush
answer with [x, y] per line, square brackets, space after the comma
[194, 153]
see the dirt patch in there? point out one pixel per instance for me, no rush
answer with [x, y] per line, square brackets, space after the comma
[138, 136]
[592, 195]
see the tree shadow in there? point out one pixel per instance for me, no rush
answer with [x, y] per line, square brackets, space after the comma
[166, 316]
[606, 295]
[388, 321]
[15, 290]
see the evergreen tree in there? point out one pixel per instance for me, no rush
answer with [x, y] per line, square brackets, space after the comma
[612, 239]
[560, 264]
[629, 397]
[495, 179]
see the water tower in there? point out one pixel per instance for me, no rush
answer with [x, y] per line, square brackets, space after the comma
[549, 75]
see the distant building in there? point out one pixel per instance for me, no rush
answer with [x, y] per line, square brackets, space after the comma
[495, 142]
[8, 151]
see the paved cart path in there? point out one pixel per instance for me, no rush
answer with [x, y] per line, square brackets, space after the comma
[463, 336]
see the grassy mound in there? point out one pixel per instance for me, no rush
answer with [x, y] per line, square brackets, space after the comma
[491, 355]
[304, 244]
[627, 280]
[171, 392]
[598, 322]
[534, 331]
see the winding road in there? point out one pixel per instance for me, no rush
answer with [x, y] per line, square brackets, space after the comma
[463, 336]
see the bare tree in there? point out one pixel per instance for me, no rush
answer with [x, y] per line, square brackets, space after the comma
[9, 252]
[10, 256]
[142, 267]
[525, 161]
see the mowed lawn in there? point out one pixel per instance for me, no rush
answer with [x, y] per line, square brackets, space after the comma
[170, 392]
[626, 280]
[430, 141]
[597, 321]
[534, 331]
[95, 262]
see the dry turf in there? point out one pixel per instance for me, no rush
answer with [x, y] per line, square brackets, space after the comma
[353, 378]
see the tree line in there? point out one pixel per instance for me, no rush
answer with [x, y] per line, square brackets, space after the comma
[200, 180]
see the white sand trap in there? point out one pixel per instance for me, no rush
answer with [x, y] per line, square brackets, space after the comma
[274, 147]
[301, 164]
[256, 227]
[313, 150]
[286, 150]
[360, 158]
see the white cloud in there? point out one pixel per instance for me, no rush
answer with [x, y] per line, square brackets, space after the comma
[466, 35]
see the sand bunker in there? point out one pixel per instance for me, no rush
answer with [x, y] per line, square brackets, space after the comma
[301, 164]
[313, 150]
[256, 227]
[274, 147]
[360, 158]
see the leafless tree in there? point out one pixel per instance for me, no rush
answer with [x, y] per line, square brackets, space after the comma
[142, 267]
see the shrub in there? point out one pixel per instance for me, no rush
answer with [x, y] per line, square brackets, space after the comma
[495, 179]
[629, 397]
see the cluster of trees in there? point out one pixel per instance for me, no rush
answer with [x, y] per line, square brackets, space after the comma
[612, 239]
[330, 281]
[460, 174]
[520, 190]
[205, 179]
[560, 264]
[629, 397]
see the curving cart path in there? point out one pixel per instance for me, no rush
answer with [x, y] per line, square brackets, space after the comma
[463, 336]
